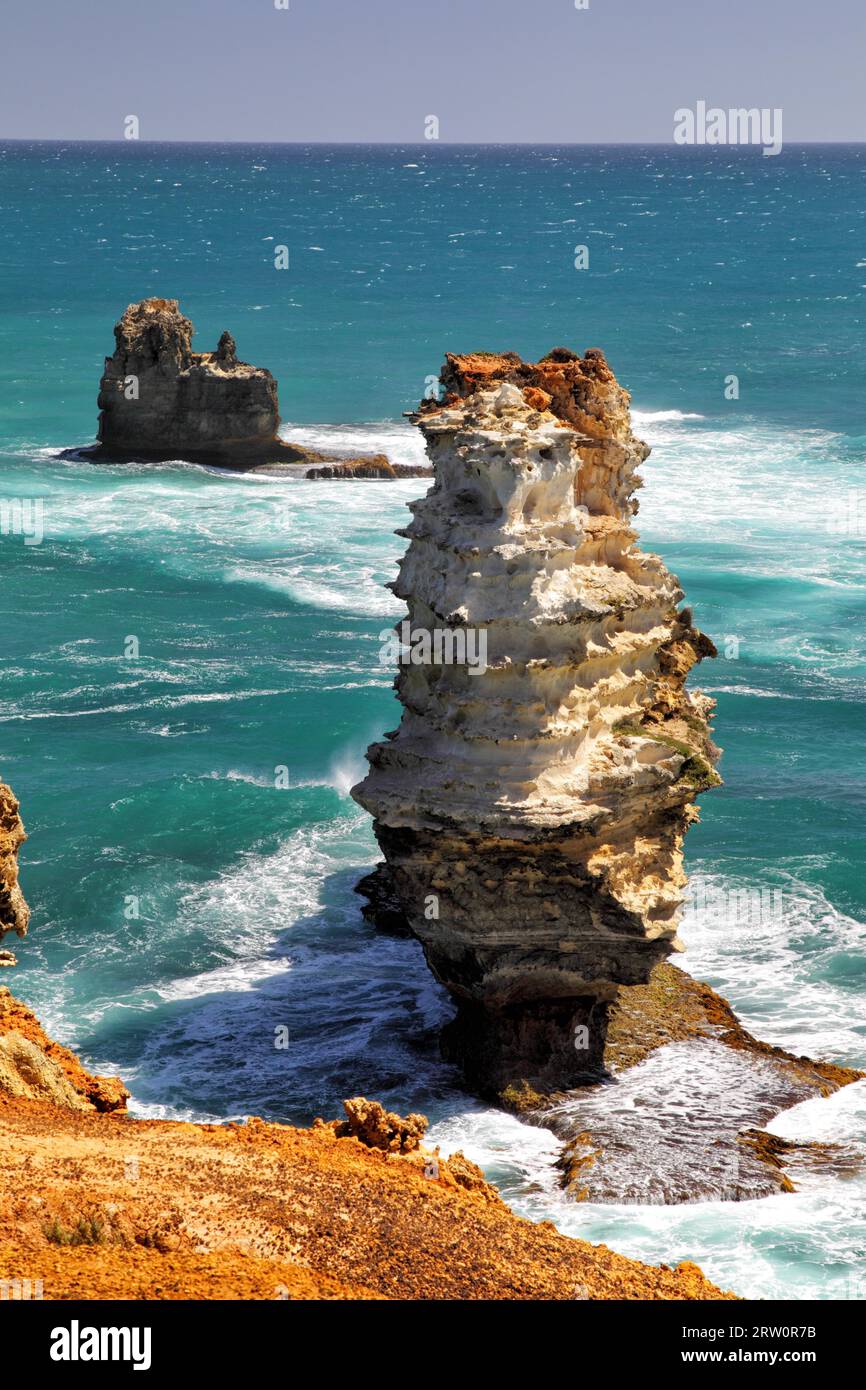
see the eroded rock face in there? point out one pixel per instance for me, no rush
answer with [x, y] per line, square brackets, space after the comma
[157, 397]
[532, 807]
[31, 1065]
[379, 1128]
[14, 912]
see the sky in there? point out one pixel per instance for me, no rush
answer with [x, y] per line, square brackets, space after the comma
[373, 70]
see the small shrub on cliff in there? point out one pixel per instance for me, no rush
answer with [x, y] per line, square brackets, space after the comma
[89, 1230]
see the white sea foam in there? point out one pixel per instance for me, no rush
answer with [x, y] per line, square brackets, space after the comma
[805, 941]
[402, 442]
[361, 592]
[652, 417]
[252, 905]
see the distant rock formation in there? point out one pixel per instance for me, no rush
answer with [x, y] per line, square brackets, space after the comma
[532, 807]
[159, 400]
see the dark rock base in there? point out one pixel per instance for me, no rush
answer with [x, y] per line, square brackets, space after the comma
[280, 459]
[518, 1054]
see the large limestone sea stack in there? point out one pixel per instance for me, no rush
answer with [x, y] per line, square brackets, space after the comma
[532, 813]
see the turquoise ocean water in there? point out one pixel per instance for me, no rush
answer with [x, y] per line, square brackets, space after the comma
[148, 782]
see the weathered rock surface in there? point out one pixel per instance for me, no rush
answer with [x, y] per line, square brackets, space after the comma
[159, 400]
[377, 466]
[379, 1128]
[532, 811]
[33, 1066]
[14, 912]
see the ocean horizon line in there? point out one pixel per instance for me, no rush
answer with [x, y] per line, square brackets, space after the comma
[428, 144]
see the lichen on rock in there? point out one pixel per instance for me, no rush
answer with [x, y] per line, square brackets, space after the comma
[532, 810]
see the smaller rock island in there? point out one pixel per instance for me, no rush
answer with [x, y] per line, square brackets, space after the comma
[160, 401]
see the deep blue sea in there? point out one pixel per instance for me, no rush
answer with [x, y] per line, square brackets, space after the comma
[185, 907]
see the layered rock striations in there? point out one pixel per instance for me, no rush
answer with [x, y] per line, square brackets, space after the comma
[532, 807]
[160, 400]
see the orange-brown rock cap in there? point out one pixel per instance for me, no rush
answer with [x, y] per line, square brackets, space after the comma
[582, 392]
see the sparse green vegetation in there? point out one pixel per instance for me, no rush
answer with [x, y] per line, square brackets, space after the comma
[89, 1231]
[520, 1096]
[696, 771]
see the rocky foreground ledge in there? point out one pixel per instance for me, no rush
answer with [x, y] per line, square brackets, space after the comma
[160, 401]
[102, 1206]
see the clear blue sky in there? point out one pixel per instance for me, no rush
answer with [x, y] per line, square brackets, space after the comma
[371, 70]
